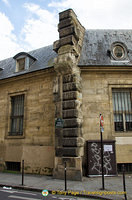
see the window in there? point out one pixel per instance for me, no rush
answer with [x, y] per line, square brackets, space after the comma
[128, 167]
[21, 64]
[23, 61]
[13, 166]
[122, 109]
[17, 114]
[118, 51]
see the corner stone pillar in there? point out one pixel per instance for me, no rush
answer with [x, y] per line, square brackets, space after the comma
[69, 143]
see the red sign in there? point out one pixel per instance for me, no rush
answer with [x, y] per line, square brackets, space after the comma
[101, 121]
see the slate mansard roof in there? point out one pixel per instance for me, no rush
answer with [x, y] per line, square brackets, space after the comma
[96, 45]
[44, 59]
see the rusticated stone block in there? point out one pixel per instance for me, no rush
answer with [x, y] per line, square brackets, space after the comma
[73, 142]
[70, 39]
[66, 31]
[72, 132]
[72, 87]
[71, 30]
[72, 104]
[69, 104]
[65, 23]
[71, 78]
[74, 168]
[73, 113]
[70, 162]
[75, 162]
[73, 151]
[73, 122]
[71, 95]
[59, 151]
[68, 78]
[67, 13]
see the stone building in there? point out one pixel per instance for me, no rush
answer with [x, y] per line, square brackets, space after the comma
[51, 100]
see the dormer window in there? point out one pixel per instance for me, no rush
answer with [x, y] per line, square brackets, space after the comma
[119, 51]
[20, 64]
[23, 61]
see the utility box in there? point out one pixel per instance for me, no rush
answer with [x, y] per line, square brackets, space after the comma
[94, 167]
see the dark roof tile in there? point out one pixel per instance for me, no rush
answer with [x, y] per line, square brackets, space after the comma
[97, 42]
[44, 56]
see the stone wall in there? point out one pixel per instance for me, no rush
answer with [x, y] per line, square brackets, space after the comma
[38, 138]
[97, 87]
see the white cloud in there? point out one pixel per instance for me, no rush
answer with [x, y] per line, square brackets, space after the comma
[6, 2]
[113, 14]
[8, 40]
[40, 28]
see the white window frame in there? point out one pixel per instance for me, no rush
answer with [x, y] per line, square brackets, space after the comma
[117, 86]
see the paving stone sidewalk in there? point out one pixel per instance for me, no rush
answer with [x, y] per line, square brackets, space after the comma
[91, 186]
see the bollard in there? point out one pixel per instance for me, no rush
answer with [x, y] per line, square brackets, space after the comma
[65, 178]
[102, 151]
[102, 161]
[124, 184]
[22, 172]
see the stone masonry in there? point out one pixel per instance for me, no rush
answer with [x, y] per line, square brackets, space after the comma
[69, 143]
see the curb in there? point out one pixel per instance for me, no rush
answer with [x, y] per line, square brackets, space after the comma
[20, 187]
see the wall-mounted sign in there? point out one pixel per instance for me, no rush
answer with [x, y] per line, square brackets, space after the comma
[59, 123]
[108, 148]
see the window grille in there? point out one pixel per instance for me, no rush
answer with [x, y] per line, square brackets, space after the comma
[122, 109]
[17, 114]
[13, 166]
[128, 167]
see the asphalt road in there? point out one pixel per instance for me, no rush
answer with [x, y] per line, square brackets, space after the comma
[13, 194]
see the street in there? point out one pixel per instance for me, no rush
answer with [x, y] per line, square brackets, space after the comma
[14, 194]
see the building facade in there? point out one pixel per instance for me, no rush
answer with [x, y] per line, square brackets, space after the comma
[27, 113]
[51, 101]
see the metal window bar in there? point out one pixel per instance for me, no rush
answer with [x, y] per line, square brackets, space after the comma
[17, 114]
[13, 166]
[122, 109]
[128, 167]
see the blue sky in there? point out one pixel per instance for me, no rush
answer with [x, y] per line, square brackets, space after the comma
[30, 24]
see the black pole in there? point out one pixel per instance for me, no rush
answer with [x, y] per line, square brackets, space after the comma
[22, 172]
[65, 178]
[102, 163]
[124, 183]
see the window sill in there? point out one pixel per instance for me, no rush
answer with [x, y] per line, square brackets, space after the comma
[14, 137]
[20, 71]
[122, 134]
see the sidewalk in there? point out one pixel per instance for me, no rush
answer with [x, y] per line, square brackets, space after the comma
[40, 182]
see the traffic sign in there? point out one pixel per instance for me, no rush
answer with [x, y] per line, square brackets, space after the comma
[101, 121]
